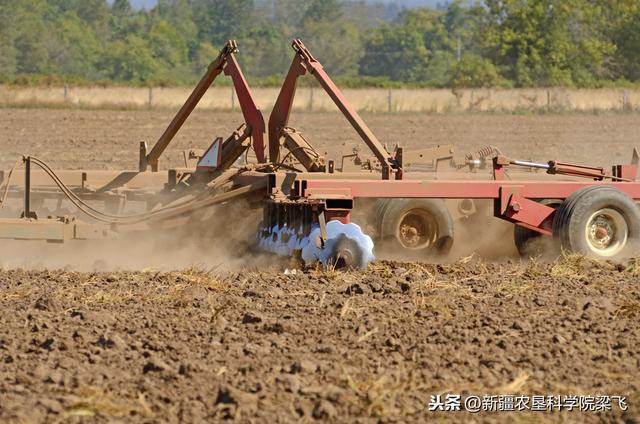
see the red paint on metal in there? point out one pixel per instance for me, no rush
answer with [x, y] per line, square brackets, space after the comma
[625, 172]
[282, 108]
[459, 189]
[252, 115]
[530, 212]
[342, 215]
[561, 168]
[303, 62]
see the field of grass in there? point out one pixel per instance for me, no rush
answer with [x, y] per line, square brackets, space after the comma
[314, 99]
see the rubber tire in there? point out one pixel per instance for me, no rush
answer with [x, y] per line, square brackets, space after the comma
[567, 206]
[523, 236]
[391, 211]
[572, 215]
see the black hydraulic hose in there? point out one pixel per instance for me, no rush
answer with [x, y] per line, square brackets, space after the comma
[134, 218]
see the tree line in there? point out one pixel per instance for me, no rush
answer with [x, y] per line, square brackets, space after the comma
[510, 43]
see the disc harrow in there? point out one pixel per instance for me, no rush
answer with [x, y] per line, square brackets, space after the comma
[412, 199]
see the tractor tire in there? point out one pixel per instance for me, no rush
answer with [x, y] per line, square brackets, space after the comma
[416, 227]
[525, 238]
[598, 221]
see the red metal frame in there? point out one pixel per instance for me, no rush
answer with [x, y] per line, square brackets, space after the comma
[318, 198]
[226, 62]
[513, 199]
[252, 115]
[458, 189]
[302, 63]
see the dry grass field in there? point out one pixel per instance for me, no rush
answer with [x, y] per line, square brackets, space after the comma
[314, 99]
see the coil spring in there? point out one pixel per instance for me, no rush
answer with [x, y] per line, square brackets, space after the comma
[483, 152]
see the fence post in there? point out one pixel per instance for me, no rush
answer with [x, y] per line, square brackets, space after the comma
[548, 99]
[66, 93]
[626, 102]
[311, 99]
[150, 102]
[471, 99]
[389, 102]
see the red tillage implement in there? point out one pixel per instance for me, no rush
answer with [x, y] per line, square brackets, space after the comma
[307, 200]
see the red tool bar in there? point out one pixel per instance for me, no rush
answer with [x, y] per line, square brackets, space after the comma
[459, 189]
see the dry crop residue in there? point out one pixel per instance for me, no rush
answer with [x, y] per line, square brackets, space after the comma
[192, 346]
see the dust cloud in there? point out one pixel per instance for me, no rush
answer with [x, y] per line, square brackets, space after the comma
[219, 238]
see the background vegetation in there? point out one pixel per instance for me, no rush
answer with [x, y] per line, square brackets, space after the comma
[511, 43]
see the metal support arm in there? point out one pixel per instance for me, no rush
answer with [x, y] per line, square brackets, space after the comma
[302, 63]
[226, 62]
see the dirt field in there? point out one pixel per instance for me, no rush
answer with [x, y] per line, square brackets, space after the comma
[265, 347]
[76, 139]
[201, 346]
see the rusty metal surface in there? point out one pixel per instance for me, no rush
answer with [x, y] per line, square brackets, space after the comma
[300, 148]
[282, 108]
[215, 68]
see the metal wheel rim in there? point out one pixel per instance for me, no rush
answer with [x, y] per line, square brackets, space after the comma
[606, 232]
[417, 229]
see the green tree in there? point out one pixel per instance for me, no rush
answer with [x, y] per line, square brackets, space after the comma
[623, 28]
[31, 37]
[440, 69]
[546, 42]
[270, 56]
[326, 40]
[396, 52]
[8, 52]
[170, 51]
[130, 59]
[463, 43]
[220, 20]
[74, 48]
[475, 71]
[322, 11]
[167, 44]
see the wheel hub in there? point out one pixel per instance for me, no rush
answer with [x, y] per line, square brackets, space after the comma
[416, 230]
[410, 235]
[606, 232]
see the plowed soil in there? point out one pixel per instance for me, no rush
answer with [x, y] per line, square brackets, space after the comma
[268, 346]
[84, 139]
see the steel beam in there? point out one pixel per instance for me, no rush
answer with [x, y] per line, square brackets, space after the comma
[459, 189]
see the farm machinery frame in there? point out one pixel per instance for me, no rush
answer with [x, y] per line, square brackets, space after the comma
[307, 200]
